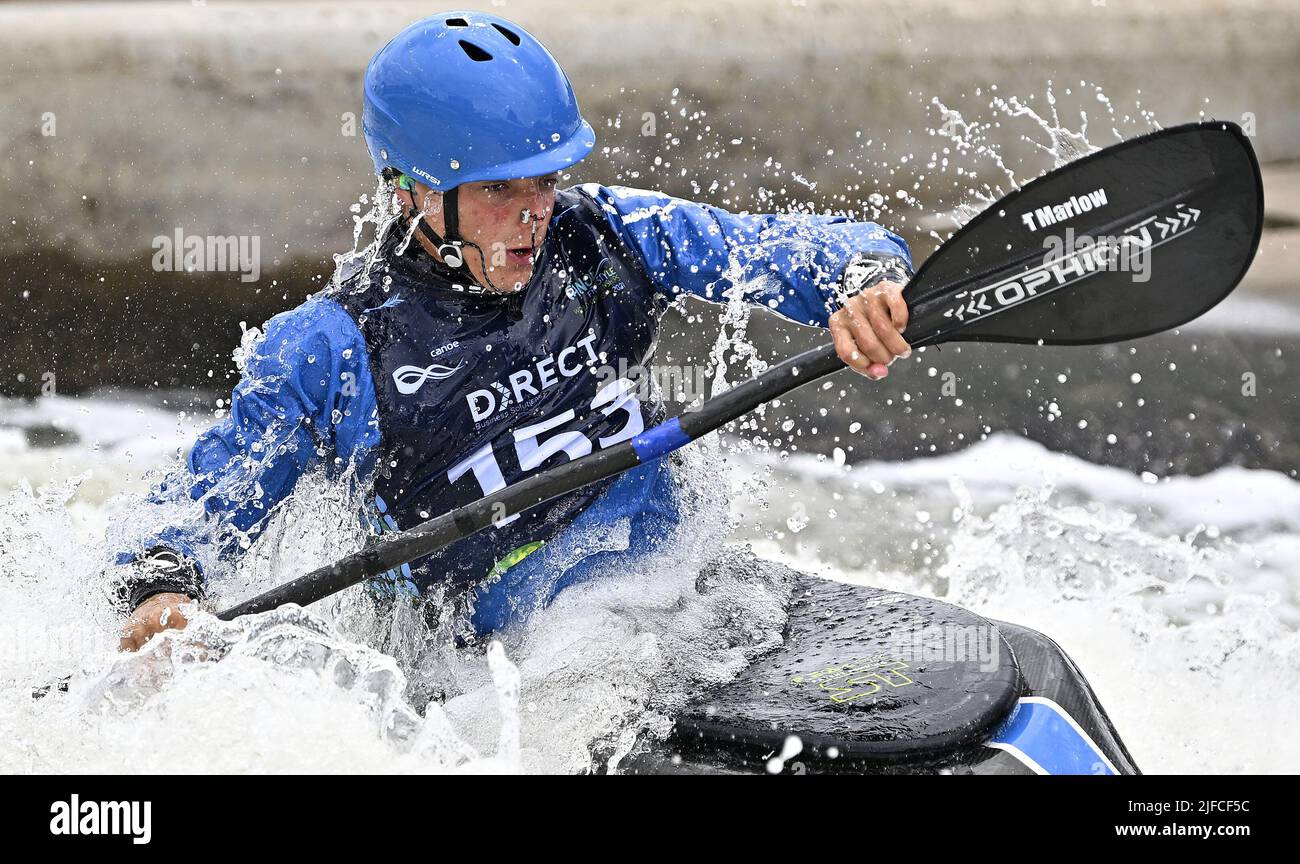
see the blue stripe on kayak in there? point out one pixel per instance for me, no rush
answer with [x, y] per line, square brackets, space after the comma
[1043, 736]
[660, 440]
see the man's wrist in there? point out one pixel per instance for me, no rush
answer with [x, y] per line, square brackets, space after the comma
[145, 596]
[158, 571]
[866, 270]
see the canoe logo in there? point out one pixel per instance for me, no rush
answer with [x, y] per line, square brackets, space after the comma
[409, 379]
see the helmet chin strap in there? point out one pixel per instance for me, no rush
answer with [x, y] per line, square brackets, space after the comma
[451, 247]
[450, 251]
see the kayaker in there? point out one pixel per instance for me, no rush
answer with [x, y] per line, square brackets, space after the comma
[460, 351]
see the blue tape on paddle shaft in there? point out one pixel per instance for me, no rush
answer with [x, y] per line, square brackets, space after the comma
[662, 439]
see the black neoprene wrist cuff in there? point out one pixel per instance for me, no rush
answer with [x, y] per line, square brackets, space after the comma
[867, 269]
[159, 571]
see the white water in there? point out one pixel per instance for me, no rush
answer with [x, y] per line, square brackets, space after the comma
[1178, 599]
[308, 690]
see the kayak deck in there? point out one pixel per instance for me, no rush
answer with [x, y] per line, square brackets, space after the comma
[874, 681]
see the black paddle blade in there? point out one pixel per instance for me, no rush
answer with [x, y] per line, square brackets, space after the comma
[1063, 260]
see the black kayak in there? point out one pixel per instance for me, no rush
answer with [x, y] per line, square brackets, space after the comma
[878, 682]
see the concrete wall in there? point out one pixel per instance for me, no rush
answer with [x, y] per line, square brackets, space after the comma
[226, 118]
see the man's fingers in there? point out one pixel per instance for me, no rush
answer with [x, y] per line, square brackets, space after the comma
[846, 348]
[150, 619]
[880, 315]
[130, 640]
[864, 334]
[898, 311]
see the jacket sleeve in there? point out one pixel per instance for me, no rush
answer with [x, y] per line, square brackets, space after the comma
[305, 398]
[791, 263]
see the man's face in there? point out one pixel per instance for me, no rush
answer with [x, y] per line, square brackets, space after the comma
[491, 216]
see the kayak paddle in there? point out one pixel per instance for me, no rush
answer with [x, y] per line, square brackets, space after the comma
[1182, 206]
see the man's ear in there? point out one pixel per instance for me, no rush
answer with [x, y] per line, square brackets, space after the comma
[407, 197]
[432, 201]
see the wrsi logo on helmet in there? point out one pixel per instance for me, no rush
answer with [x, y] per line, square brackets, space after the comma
[463, 97]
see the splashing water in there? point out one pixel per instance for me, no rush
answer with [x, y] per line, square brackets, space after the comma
[1184, 643]
[1176, 598]
[609, 661]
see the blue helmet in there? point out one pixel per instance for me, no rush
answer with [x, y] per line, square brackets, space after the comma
[465, 96]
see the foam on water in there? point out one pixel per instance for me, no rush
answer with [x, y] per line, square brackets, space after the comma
[1177, 598]
[1189, 650]
[335, 688]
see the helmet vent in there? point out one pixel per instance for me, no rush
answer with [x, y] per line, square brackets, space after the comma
[475, 53]
[457, 22]
[509, 34]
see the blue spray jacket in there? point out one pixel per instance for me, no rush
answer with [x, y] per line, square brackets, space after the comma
[395, 378]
